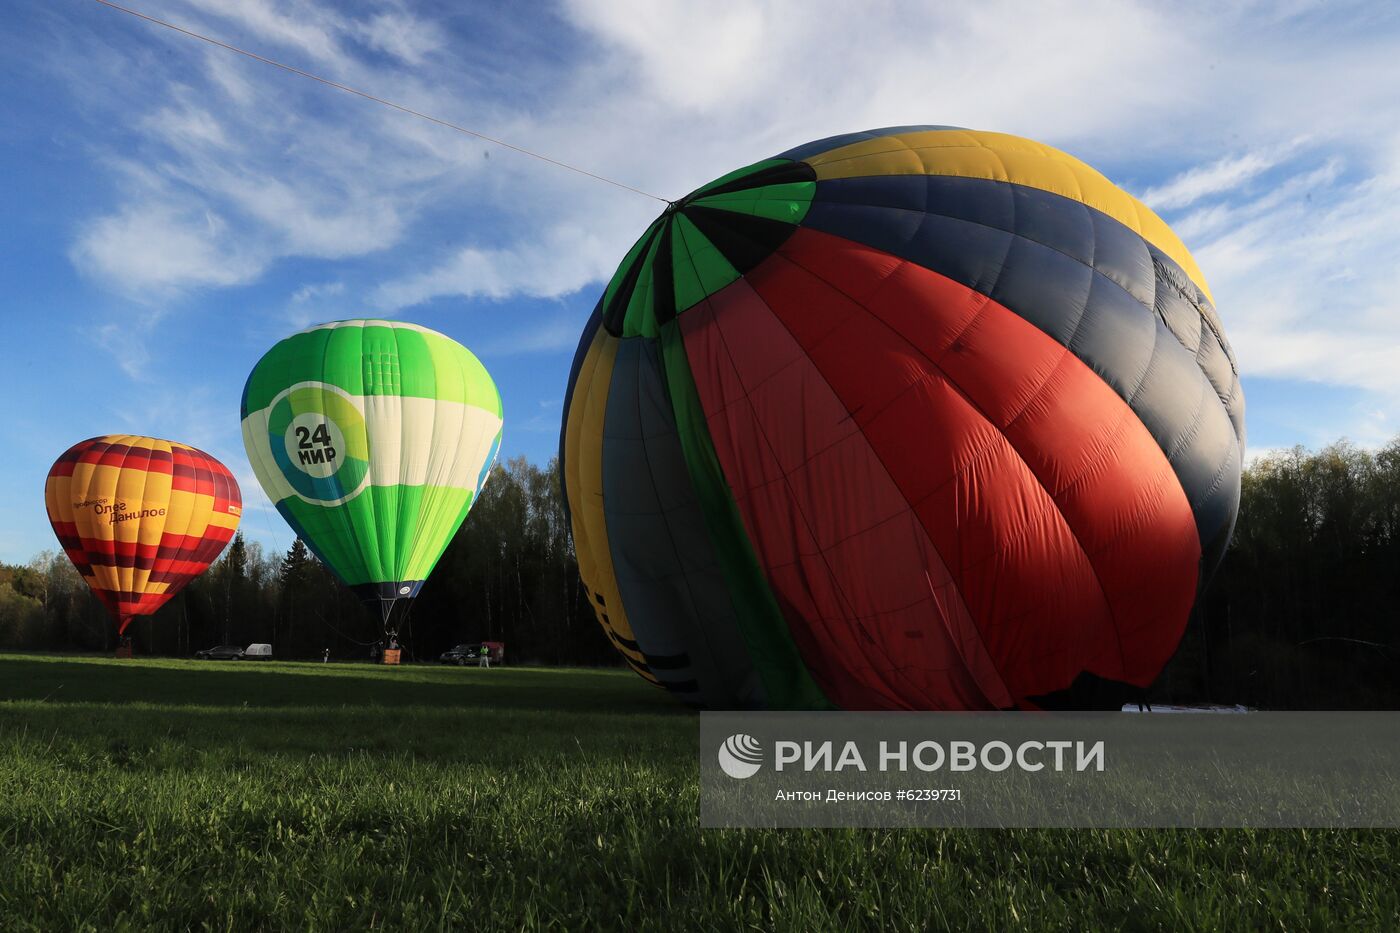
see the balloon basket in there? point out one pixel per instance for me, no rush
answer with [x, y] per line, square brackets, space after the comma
[391, 656]
[124, 651]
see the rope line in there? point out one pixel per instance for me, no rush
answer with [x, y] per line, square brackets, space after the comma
[378, 100]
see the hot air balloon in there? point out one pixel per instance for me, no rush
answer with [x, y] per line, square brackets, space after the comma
[913, 418]
[140, 517]
[373, 438]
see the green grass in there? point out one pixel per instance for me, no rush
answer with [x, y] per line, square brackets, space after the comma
[172, 795]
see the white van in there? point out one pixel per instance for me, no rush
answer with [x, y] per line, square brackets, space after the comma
[258, 653]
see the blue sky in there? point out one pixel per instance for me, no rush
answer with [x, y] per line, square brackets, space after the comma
[173, 209]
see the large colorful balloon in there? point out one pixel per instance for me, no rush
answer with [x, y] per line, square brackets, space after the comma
[915, 418]
[140, 517]
[373, 438]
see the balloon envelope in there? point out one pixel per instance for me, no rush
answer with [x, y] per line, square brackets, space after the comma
[914, 418]
[140, 517]
[373, 438]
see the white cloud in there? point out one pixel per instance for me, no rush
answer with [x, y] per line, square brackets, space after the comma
[284, 167]
[1192, 185]
[124, 342]
[695, 56]
[188, 127]
[308, 27]
[154, 245]
[557, 262]
[316, 291]
[404, 37]
[1306, 273]
[315, 303]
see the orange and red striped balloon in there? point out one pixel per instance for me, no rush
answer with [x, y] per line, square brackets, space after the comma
[140, 517]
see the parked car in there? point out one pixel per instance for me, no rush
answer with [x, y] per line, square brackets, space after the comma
[472, 653]
[221, 653]
[460, 654]
[258, 653]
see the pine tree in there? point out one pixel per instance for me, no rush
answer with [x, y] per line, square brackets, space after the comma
[293, 577]
[234, 573]
[294, 564]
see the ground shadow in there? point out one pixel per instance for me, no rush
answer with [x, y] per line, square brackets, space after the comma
[67, 680]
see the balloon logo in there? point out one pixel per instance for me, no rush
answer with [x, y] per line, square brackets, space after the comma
[914, 418]
[373, 438]
[317, 437]
[140, 517]
[740, 756]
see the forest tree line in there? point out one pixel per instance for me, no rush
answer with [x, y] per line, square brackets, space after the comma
[508, 575]
[1303, 612]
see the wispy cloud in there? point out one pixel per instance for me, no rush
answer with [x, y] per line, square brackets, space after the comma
[158, 245]
[1307, 274]
[544, 421]
[1303, 254]
[317, 291]
[233, 166]
[1222, 176]
[125, 342]
[559, 261]
[402, 36]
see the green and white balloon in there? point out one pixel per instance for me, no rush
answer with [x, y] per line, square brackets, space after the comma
[373, 438]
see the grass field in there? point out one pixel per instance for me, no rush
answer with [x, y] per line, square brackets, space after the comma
[171, 795]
